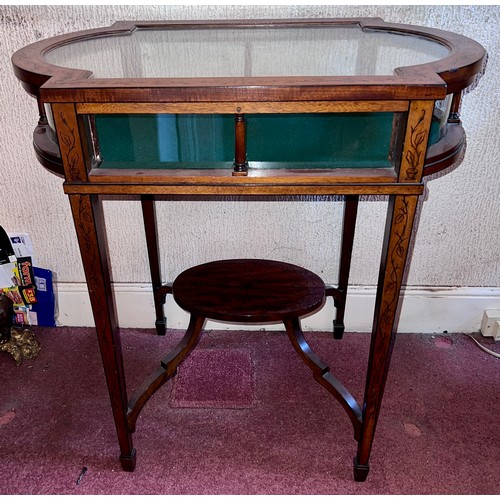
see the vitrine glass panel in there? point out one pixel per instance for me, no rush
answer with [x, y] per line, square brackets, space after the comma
[319, 140]
[167, 141]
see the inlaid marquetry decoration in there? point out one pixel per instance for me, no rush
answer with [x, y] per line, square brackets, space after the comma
[417, 136]
[398, 234]
[69, 142]
[398, 248]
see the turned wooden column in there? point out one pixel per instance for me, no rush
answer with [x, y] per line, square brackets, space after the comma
[240, 165]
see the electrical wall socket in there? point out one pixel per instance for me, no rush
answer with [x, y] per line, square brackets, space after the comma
[490, 325]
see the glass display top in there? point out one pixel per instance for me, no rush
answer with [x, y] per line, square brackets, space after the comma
[243, 52]
[153, 78]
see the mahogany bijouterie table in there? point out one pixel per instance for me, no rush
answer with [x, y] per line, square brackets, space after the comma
[277, 108]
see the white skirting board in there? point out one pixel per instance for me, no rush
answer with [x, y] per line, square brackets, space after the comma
[424, 310]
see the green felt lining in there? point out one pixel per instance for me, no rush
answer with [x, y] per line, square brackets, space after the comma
[305, 141]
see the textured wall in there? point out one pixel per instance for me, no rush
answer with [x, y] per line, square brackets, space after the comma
[457, 244]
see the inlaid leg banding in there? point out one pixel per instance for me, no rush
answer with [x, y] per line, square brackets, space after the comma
[399, 226]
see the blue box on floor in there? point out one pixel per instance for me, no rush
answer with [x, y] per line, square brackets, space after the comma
[45, 306]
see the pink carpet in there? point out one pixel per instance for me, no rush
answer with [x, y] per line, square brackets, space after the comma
[215, 378]
[277, 432]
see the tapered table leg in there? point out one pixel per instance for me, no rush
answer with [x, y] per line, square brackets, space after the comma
[348, 229]
[149, 217]
[87, 215]
[398, 230]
